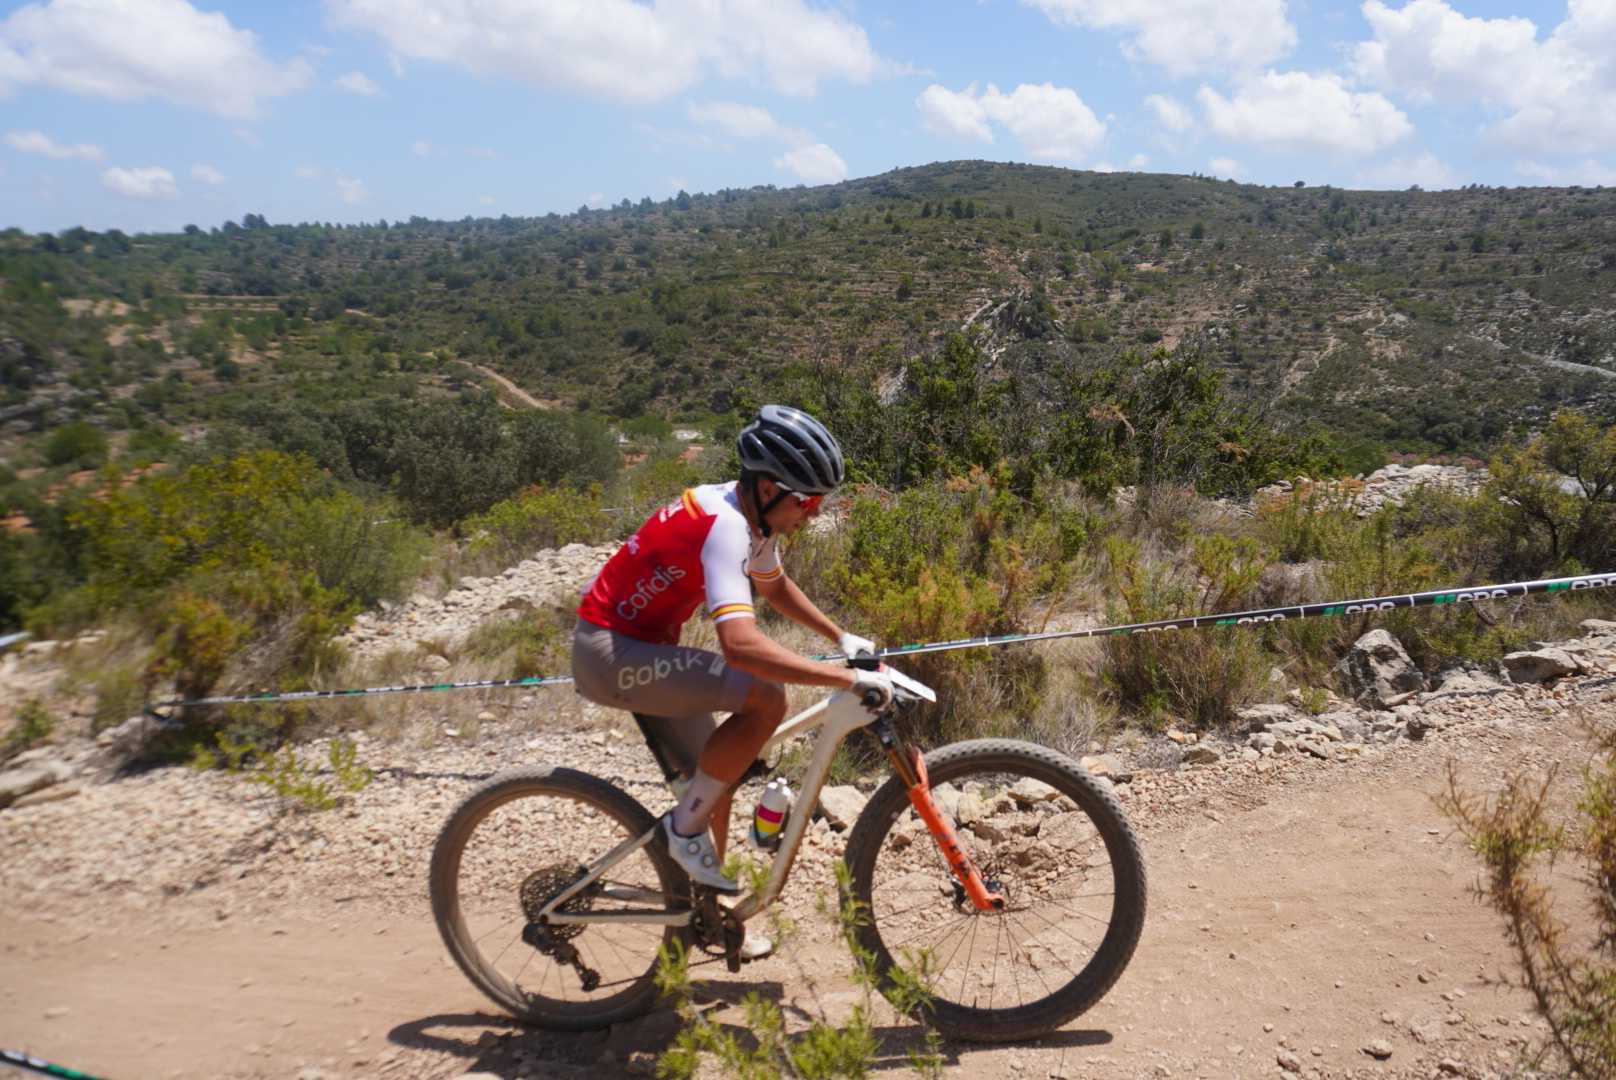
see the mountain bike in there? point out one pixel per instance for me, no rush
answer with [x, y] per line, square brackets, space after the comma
[999, 876]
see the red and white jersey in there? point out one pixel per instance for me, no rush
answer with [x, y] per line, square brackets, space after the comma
[697, 548]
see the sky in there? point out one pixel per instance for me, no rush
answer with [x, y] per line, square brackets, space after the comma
[147, 115]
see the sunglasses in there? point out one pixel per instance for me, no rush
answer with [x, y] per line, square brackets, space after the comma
[808, 504]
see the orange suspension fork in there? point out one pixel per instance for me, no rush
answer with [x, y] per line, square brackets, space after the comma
[942, 832]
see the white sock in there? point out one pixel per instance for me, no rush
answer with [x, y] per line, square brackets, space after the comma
[696, 808]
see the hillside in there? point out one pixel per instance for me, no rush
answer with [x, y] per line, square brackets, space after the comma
[1415, 321]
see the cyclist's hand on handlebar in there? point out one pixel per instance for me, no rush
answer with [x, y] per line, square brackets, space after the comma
[874, 690]
[852, 645]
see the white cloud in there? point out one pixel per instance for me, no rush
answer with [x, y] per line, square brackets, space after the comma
[247, 136]
[395, 64]
[1558, 91]
[1170, 114]
[151, 182]
[207, 174]
[308, 172]
[1301, 112]
[596, 200]
[808, 159]
[1186, 37]
[1425, 169]
[421, 148]
[1139, 161]
[37, 142]
[622, 50]
[357, 82]
[944, 112]
[1051, 122]
[815, 163]
[351, 191]
[1103, 167]
[132, 50]
[1227, 167]
[1589, 173]
[742, 121]
[486, 200]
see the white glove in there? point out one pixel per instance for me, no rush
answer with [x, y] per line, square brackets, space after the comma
[874, 690]
[852, 644]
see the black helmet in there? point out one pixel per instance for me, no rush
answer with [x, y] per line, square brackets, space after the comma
[793, 448]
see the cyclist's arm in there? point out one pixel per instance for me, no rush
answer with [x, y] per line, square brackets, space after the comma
[784, 596]
[751, 650]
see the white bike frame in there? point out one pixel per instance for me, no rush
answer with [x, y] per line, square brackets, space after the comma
[836, 717]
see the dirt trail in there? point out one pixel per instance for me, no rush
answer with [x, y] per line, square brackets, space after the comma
[1297, 914]
[509, 388]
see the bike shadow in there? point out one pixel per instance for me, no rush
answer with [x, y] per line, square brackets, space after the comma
[501, 1046]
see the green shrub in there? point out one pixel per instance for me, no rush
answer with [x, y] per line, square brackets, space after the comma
[953, 559]
[33, 726]
[514, 529]
[1196, 676]
[287, 773]
[79, 444]
[1516, 836]
[247, 566]
[119, 694]
[534, 642]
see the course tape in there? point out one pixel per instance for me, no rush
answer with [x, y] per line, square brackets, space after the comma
[19, 1060]
[1434, 598]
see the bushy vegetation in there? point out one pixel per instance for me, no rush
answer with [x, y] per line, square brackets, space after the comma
[1516, 835]
[950, 559]
[250, 564]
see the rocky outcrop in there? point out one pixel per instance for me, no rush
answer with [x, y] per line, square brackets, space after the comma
[1378, 671]
[1389, 486]
[549, 577]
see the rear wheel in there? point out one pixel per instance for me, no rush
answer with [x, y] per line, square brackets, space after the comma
[1045, 835]
[511, 846]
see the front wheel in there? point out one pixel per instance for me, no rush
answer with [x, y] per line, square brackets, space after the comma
[515, 843]
[1046, 836]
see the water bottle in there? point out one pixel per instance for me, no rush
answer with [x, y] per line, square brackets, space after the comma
[770, 816]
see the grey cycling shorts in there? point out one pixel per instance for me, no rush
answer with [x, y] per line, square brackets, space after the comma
[680, 687]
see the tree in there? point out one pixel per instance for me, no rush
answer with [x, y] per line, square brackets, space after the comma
[77, 443]
[1557, 496]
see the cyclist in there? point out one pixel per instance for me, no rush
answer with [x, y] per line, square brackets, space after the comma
[712, 545]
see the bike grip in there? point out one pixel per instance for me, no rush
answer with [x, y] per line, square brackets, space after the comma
[865, 662]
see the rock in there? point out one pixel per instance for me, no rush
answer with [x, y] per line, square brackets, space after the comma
[1182, 738]
[1027, 791]
[1380, 1049]
[1260, 716]
[128, 740]
[970, 808]
[1464, 681]
[1288, 1061]
[1377, 669]
[1598, 627]
[841, 805]
[1105, 765]
[1343, 725]
[1540, 665]
[1201, 754]
[50, 794]
[434, 663]
[15, 783]
[1261, 740]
